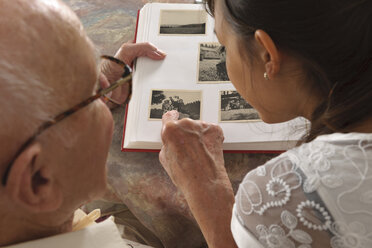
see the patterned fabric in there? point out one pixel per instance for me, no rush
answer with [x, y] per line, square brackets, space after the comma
[316, 195]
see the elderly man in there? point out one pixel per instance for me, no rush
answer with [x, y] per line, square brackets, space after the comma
[47, 66]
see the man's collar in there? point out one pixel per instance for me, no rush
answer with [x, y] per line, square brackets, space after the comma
[102, 235]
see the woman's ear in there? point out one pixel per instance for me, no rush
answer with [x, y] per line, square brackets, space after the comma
[269, 53]
[31, 185]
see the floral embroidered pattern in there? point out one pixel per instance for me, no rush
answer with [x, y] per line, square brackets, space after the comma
[261, 171]
[275, 236]
[318, 208]
[353, 235]
[284, 179]
[334, 174]
[360, 191]
[319, 156]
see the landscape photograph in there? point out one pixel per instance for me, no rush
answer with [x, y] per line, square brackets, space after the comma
[183, 22]
[212, 63]
[186, 102]
[235, 109]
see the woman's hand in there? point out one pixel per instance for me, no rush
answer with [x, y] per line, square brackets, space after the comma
[127, 53]
[192, 156]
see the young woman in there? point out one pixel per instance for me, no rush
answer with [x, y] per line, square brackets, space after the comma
[287, 58]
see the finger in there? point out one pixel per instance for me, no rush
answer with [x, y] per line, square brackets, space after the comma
[129, 51]
[193, 125]
[120, 94]
[162, 157]
[148, 50]
[170, 117]
[204, 124]
[148, 47]
[156, 55]
[104, 83]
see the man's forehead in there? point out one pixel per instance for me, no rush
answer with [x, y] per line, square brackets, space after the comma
[24, 8]
[47, 65]
[51, 42]
[56, 4]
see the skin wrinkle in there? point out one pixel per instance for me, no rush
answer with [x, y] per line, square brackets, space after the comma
[200, 131]
[284, 96]
[21, 83]
[63, 177]
[28, 34]
[199, 171]
[63, 61]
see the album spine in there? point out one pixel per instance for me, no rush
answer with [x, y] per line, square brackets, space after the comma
[126, 108]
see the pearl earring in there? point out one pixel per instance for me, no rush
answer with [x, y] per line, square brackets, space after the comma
[266, 76]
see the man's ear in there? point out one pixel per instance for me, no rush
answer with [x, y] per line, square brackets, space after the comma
[269, 54]
[31, 185]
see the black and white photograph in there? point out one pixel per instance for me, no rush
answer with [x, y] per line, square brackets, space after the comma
[186, 102]
[235, 109]
[212, 63]
[183, 22]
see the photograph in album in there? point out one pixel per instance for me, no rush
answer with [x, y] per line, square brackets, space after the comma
[193, 80]
[187, 103]
[212, 63]
[235, 109]
[183, 22]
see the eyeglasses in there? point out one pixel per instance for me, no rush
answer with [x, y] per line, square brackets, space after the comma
[125, 78]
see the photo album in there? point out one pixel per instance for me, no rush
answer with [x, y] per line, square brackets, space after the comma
[193, 80]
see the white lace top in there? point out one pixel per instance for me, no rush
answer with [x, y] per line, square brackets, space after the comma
[316, 195]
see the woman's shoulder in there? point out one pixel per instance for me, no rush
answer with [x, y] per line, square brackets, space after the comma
[318, 187]
[326, 161]
[328, 149]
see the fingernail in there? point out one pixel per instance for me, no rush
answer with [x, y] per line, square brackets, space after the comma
[160, 52]
[175, 114]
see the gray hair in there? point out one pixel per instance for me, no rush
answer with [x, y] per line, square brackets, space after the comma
[22, 95]
[23, 99]
[27, 97]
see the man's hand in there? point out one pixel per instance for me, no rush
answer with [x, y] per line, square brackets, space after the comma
[127, 53]
[192, 151]
[192, 156]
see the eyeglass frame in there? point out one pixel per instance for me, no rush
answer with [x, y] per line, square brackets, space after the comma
[125, 78]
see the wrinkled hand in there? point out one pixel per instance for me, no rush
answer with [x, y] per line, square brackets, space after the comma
[127, 53]
[192, 156]
[192, 152]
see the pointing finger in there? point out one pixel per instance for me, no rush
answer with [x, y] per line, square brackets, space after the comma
[170, 117]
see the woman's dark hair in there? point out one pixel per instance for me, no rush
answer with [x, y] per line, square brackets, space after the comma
[333, 38]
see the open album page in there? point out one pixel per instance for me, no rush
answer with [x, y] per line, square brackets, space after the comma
[193, 80]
